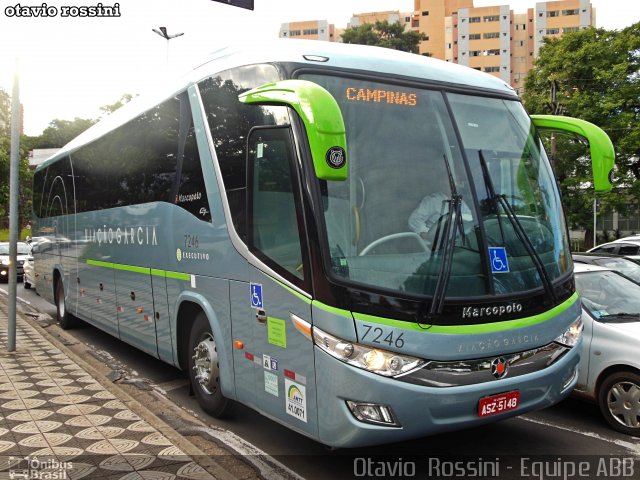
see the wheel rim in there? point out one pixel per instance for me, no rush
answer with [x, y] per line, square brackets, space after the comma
[206, 364]
[623, 402]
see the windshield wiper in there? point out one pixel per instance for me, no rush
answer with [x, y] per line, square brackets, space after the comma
[620, 317]
[501, 200]
[453, 222]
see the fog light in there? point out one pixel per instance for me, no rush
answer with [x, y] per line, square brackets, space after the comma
[373, 413]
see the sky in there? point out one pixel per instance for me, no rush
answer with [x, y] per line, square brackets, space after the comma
[69, 67]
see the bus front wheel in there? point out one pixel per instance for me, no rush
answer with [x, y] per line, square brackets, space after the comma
[204, 369]
[65, 319]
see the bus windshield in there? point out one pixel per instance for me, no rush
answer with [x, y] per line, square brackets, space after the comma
[441, 182]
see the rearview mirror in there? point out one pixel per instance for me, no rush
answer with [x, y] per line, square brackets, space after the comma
[322, 119]
[600, 146]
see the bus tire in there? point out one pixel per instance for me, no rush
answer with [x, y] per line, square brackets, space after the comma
[65, 318]
[620, 403]
[204, 368]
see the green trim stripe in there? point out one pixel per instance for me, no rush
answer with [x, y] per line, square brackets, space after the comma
[334, 310]
[472, 329]
[145, 270]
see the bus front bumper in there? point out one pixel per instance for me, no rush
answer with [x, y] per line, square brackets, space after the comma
[420, 410]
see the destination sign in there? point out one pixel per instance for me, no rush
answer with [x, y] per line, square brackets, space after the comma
[392, 97]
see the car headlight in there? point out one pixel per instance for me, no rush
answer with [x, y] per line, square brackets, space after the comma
[6, 262]
[382, 362]
[571, 335]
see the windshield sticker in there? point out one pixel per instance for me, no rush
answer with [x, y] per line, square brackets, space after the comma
[498, 257]
[391, 97]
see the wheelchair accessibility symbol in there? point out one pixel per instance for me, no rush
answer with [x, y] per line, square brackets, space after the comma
[498, 257]
[256, 295]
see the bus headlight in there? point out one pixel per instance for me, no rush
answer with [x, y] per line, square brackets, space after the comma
[382, 362]
[571, 336]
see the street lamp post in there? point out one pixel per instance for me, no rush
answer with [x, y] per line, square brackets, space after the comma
[162, 31]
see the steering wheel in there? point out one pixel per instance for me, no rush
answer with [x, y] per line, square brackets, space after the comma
[391, 237]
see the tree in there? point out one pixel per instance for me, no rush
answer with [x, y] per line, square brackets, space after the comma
[596, 76]
[60, 132]
[124, 99]
[384, 34]
[25, 176]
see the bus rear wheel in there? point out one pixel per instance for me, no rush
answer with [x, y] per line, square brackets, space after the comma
[65, 319]
[204, 369]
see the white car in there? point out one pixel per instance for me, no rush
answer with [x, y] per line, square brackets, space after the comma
[23, 252]
[28, 277]
[610, 361]
[628, 247]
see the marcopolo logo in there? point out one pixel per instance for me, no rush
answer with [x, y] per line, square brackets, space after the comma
[497, 311]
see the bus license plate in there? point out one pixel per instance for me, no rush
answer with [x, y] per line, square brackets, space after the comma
[502, 402]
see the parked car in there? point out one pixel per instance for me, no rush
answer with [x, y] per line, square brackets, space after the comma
[23, 252]
[628, 247]
[28, 277]
[610, 363]
[624, 265]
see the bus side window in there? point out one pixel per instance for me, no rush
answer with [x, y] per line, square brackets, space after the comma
[274, 207]
[229, 122]
[190, 192]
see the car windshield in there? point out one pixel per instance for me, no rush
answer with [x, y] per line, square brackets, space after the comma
[439, 178]
[607, 294]
[622, 265]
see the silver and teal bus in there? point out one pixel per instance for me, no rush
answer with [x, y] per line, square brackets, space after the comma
[255, 225]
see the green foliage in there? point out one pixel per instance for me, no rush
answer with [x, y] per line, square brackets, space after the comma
[22, 236]
[384, 34]
[124, 99]
[596, 75]
[25, 176]
[60, 132]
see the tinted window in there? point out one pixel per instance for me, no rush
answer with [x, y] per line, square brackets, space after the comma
[38, 187]
[273, 216]
[229, 123]
[192, 195]
[135, 163]
[152, 158]
[628, 249]
[608, 249]
[57, 198]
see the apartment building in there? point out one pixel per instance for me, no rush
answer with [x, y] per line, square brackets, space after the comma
[309, 30]
[495, 39]
[555, 18]
[392, 16]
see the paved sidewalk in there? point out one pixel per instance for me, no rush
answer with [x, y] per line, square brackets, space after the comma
[58, 422]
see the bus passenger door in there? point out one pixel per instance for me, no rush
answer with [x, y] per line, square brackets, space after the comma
[283, 357]
[136, 314]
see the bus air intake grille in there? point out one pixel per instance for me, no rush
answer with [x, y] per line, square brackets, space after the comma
[469, 372]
